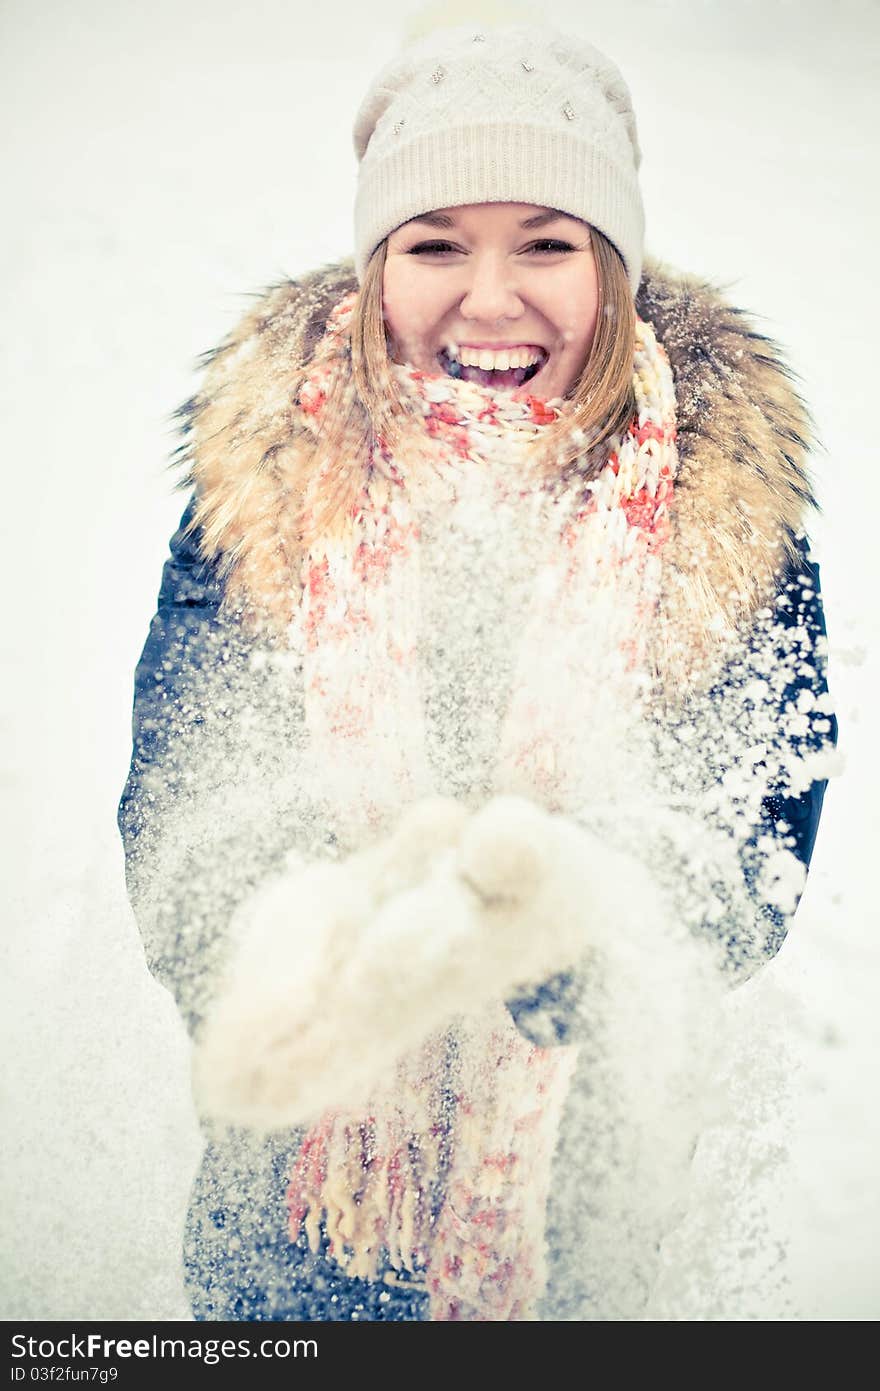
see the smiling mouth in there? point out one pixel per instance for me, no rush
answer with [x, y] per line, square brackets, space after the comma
[510, 377]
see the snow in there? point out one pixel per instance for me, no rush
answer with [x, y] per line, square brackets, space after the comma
[157, 173]
[443, 918]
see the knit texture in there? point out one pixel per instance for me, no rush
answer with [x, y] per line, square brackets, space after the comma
[516, 114]
[443, 1175]
[743, 489]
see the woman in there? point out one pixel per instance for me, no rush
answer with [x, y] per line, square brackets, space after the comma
[489, 636]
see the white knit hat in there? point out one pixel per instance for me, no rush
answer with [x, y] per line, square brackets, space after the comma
[517, 114]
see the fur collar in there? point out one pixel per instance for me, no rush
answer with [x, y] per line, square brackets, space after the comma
[743, 492]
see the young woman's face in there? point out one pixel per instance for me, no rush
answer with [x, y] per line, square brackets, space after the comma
[493, 278]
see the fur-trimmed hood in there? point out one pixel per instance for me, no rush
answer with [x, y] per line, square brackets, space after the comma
[743, 492]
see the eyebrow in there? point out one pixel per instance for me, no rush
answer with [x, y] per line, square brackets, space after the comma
[538, 220]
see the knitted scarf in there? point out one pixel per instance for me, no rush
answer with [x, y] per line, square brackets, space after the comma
[443, 1177]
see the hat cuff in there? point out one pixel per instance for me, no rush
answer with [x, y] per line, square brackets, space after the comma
[499, 163]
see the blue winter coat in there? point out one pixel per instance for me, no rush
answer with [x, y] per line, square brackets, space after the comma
[239, 1260]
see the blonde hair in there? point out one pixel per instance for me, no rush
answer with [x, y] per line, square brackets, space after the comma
[369, 405]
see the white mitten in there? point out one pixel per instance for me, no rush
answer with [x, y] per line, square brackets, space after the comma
[341, 969]
[549, 890]
[306, 1009]
[402, 859]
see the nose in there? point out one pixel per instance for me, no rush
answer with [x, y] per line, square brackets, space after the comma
[490, 295]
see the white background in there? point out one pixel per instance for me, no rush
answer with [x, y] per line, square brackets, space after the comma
[163, 162]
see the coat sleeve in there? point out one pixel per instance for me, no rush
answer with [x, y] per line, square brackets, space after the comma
[192, 823]
[805, 723]
[808, 726]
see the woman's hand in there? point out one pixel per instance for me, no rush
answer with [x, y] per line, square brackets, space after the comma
[340, 969]
[317, 995]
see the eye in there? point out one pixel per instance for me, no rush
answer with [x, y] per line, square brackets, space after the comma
[548, 246]
[430, 248]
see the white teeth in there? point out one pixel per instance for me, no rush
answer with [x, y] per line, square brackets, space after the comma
[491, 361]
